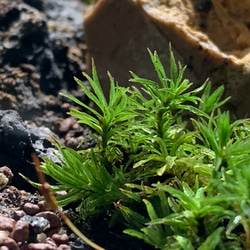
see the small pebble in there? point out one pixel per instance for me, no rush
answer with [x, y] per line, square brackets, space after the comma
[11, 244]
[3, 235]
[18, 214]
[22, 192]
[42, 205]
[63, 247]
[41, 246]
[4, 248]
[29, 68]
[60, 238]
[30, 208]
[66, 125]
[65, 107]
[41, 237]
[76, 126]
[71, 142]
[58, 193]
[20, 232]
[7, 224]
[50, 241]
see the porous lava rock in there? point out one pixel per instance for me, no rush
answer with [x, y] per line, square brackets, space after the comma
[41, 49]
[17, 141]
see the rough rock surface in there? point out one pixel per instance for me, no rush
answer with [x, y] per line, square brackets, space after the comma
[17, 141]
[211, 37]
[41, 49]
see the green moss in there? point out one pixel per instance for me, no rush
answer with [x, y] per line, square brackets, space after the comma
[175, 186]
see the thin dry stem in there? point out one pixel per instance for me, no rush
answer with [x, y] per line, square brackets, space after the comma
[53, 205]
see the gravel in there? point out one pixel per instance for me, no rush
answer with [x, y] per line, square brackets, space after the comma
[26, 224]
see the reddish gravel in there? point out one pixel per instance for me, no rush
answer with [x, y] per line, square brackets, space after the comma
[24, 221]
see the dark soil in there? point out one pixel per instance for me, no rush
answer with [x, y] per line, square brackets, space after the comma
[41, 48]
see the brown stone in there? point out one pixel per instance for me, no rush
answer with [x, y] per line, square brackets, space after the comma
[41, 246]
[11, 244]
[63, 247]
[30, 208]
[60, 238]
[4, 248]
[20, 232]
[42, 205]
[66, 125]
[6, 224]
[50, 242]
[18, 214]
[212, 39]
[3, 235]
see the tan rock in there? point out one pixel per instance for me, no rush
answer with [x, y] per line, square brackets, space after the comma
[211, 37]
